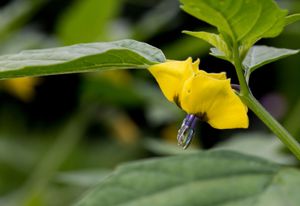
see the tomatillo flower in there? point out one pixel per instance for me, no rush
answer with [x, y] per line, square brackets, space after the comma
[205, 96]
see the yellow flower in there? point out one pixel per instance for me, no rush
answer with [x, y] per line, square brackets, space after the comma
[208, 96]
[22, 88]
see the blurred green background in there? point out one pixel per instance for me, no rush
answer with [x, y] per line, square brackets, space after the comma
[60, 135]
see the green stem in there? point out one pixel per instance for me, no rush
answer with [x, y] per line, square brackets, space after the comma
[240, 72]
[260, 111]
[273, 124]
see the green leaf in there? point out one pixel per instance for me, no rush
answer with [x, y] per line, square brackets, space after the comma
[258, 144]
[75, 25]
[259, 56]
[292, 19]
[80, 58]
[185, 46]
[244, 22]
[208, 178]
[213, 39]
[81, 178]
[217, 53]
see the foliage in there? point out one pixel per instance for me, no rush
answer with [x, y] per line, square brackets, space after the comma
[75, 129]
[242, 22]
[80, 58]
[259, 56]
[195, 179]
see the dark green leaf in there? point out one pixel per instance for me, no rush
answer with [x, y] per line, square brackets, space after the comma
[244, 22]
[208, 178]
[80, 58]
[258, 56]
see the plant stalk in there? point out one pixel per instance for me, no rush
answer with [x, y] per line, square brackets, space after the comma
[247, 97]
[240, 71]
[285, 137]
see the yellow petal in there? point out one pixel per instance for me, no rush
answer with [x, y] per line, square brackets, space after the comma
[214, 100]
[195, 65]
[171, 76]
[221, 76]
[207, 95]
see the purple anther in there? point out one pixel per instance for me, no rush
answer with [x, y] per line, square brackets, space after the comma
[186, 131]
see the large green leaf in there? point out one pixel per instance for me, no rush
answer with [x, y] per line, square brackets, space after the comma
[258, 56]
[207, 178]
[80, 58]
[259, 144]
[239, 21]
